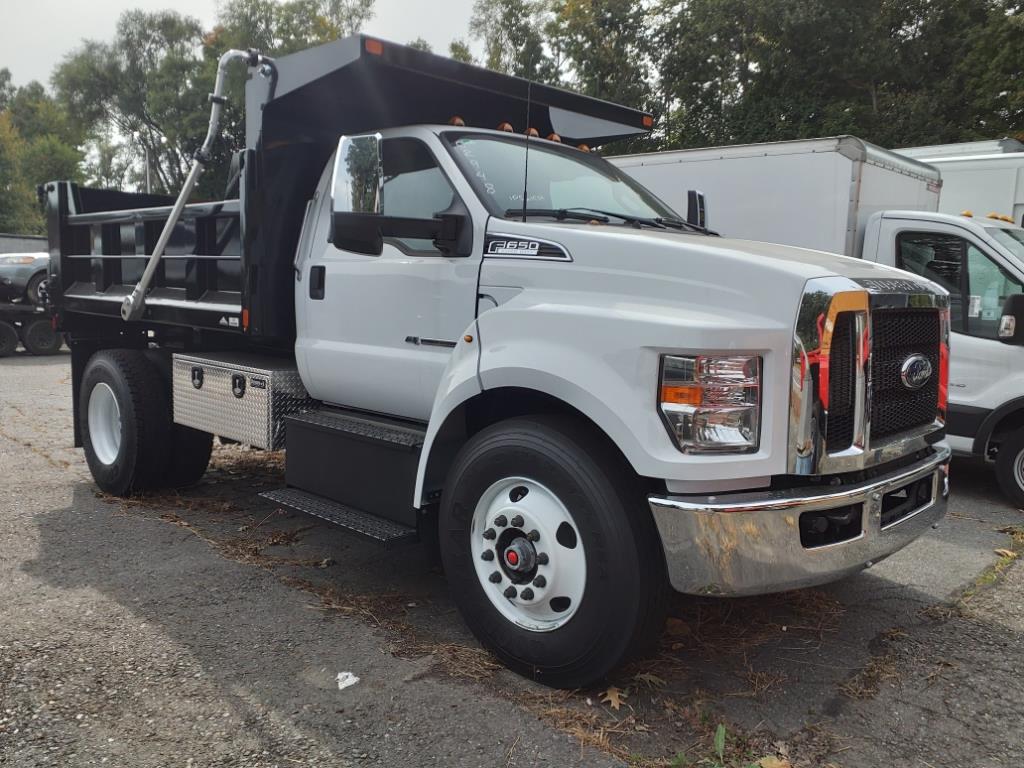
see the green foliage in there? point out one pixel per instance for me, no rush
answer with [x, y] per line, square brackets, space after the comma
[420, 45]
[513, 35]
[459, 50]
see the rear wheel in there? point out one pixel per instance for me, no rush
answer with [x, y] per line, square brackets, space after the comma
[190, 455]
[124, 422]
[8, 339]
[39, 337]
[1010, 467]
[550, 553]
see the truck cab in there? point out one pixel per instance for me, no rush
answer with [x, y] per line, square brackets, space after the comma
[980, 261]
[467, 328]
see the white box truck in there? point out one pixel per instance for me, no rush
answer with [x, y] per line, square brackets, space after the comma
[584, 398]
[984, 183]
[851, 197]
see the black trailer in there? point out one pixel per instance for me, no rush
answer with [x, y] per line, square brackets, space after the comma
[32, 326]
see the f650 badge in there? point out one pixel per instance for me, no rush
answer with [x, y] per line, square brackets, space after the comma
[513, 247]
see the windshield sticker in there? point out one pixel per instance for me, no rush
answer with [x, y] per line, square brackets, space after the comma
[511, 247]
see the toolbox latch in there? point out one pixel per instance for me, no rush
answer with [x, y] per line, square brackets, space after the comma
[238, 385]
[197, 377]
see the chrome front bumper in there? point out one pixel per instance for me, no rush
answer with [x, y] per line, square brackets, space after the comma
[749, 543]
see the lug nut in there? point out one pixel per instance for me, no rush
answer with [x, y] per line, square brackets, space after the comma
[510, 592]
[495, 577]
[527, 594]
[501, 521]
[487, 554]
[542, 558]
[490, 534]
[517, 521]
[533, 535]
[539, 582]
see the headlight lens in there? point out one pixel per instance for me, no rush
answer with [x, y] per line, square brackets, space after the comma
[712, 404]
[17, 259]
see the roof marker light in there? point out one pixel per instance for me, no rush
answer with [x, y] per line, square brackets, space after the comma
[582, 147]
[967, 214]
[532, 132]
[554, 137]
[648, 121]
[456, 120]
[506, 127]
[376, 47]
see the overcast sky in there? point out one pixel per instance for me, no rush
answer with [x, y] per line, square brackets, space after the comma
[35, 34]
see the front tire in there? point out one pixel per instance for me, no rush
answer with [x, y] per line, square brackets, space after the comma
[124, 422]
[550, 553]
[1010, 467]
[190, 456]
[33, 294]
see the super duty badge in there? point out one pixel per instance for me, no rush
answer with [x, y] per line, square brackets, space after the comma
[511, 247]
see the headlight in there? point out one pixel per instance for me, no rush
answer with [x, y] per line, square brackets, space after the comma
[712, 404]
[8, 260]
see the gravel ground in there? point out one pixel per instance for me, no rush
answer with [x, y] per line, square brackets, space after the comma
[209, 629]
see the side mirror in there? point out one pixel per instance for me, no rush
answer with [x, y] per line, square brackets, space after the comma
[696, 209]
[359, 221]
[1011, 324]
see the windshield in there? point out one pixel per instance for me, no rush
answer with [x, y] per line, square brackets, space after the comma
[560, 178]
[1011, 239]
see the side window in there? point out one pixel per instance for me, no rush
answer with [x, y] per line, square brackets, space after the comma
[414, 186]
[988, 286]
[939, 258]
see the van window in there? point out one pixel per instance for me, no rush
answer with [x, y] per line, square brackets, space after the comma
[939, 258]
[978, 286]
[414, 187]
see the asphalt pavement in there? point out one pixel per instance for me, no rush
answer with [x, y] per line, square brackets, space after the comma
[211, 628]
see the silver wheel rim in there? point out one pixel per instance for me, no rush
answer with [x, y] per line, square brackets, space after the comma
[104, 424]
[517, 519]
[1018, 469]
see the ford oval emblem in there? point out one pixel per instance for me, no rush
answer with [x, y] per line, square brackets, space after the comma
[915, 371]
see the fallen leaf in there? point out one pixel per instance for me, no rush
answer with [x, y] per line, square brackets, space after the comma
[676, 627]
[1007, 553]
[773, 762]
[614, 697]
[649, 679]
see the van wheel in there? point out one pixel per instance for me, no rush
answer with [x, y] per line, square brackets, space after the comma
[39, 337]
[550, 553]
[8, 339]
[190, 456]
[123, 416]
[1010, 467]
[33, 294]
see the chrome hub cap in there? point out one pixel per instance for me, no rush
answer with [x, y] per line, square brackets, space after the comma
[1018, 469]
[528, 554]
[104, 424]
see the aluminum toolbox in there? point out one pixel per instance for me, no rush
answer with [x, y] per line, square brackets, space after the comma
[239, 396]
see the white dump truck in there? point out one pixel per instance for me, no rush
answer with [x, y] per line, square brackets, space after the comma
[463, 325]
[845, 195]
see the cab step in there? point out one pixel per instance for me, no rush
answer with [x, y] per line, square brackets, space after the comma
[386, 532]
[359, 425]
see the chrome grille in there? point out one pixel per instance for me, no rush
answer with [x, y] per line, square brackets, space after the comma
[841, 384]
[896, 335]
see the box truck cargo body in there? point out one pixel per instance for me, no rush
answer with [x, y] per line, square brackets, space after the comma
[816, 194]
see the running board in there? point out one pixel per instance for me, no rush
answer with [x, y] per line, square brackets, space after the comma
[386, 532]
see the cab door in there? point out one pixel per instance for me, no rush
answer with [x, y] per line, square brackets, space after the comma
[376, 332]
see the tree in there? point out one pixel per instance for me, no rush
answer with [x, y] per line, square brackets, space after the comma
[459, 50]
[420, 45]
[18, 213]
[512, 31]
[6, 88]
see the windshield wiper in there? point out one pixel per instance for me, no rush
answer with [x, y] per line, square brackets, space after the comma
[636, 221]
[680, 224]
[557, 213]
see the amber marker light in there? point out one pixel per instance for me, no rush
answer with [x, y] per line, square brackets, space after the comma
[648, 121]
[506, 127]
[456, 120]
[376, 47]
[682, 395]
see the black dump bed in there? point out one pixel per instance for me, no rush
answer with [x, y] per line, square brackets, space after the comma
[228, 266]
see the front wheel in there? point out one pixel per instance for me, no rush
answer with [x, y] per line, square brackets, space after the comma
[1010, 467]
[550, 551]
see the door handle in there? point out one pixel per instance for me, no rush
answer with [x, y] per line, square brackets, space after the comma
[317, 279]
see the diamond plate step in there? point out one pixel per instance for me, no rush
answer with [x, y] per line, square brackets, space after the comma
[370, 427]
[386, 532]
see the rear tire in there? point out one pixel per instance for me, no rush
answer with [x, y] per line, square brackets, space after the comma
[39, 337]
[190, 456]
[8, 339]
[1010, 467]
[124, 422]
[554, 473]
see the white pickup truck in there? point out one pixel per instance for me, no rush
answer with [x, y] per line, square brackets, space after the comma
[845, 195]
[497, 340]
